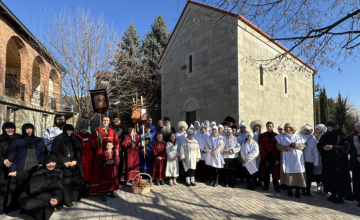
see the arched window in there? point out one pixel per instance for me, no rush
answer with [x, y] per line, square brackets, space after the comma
[190, 63]
[261, 76]
[285, 83]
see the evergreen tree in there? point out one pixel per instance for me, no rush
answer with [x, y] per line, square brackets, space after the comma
[131, 41]
[342, 110]
[318, 116]
[324, 107]
[155, 42]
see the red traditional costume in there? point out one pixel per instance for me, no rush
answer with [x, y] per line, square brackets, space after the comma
[267, 145]
[131, 165]
[87, 154]
[105, 135]
[109, 180]
[159, 150]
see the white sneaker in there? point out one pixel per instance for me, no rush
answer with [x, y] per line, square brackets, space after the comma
[170, 182]
[174, 182]
[187, 181]
[318, 188]
[193, 181]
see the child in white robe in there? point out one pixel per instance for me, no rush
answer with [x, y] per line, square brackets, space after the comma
[214, 158]
[172, 165]
[249, 153]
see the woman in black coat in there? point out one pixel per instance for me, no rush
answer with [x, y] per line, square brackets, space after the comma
[354, 140]
[68, 150]
[26, 153]
[43, 192]
[8, 134]
[334, 149]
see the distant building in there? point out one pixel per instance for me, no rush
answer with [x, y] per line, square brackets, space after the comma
[206, 73]
[30, 77]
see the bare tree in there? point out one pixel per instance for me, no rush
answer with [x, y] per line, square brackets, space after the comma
[84, 44]
[322, 32]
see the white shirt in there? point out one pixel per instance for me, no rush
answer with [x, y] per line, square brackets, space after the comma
[49, 135]
[202, 139]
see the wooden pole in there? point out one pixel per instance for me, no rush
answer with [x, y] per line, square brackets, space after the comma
[143, 128]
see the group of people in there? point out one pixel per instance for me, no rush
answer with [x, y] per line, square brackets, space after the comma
[39, 174]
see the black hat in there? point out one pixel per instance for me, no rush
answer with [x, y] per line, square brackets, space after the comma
[230, 119]
[8, 125]
[333, 124]
[68, 127]
[27, 126]
[116, 115]
[166, 118]
[234, 127]
[50, 158]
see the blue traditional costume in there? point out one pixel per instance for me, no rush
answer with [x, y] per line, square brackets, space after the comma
[145, 162]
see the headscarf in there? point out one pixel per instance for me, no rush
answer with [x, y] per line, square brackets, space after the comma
[29, 139]
[50, 158]
[333, 124]
[321, 127]
[6, 136]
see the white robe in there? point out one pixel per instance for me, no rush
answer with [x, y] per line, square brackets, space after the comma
[49, 135]
[190, 151]
[180, 137]
[214, 147]
[209, 131]
[172, 166]
[230, 143]
[292, 161]
[256, 138]
[202, 139]
[249, 153]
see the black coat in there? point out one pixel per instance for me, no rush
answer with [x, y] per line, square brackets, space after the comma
[335, 164]
[43, 186]
[355, 168]
[4, 171]
[73, 177]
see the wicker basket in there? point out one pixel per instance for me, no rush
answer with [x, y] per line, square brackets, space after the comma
[138, 190]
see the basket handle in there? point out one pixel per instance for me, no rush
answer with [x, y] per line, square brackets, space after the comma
[144, 174]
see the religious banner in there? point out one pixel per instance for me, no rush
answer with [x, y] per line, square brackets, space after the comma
[99, 100]
[139, 114]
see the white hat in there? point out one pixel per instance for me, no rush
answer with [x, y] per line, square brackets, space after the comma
[321, 127]
[357, 123]
[213, 123]
[190, 131]
[256, 122]
[206, 121]
[242, 124]
[191, 127]
[281, 126]
[221, 126]
[307, 127]
[229, 130]
[202, 126]
[197, 122]
[182, 124]
[215, 127]
[250, 133]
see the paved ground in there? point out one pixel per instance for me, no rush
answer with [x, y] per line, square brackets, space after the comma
[205, 202]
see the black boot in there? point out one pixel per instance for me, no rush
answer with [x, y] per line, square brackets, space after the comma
[103, 197]
[216, 183]
[276, 185]
[162, 182]
[332, 197]
[112, 194]
[157, 182]
[289, 192]
[265, 187]
[297, 193]
[339, 200]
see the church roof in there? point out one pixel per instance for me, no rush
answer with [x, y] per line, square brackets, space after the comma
[243, 19]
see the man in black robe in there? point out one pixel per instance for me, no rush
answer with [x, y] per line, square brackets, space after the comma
[120, 132]
[334, 148]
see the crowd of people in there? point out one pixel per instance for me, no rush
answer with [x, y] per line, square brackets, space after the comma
[39, 174]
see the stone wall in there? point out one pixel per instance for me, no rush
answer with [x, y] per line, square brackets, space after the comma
[209, 89]
[269, 102]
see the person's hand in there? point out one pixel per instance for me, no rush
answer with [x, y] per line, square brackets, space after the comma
[67, 164]
[225, 151]
[231, 151]
[175, 158]
[13, 174]
[7, 163]
[53, 202]
[197, 160]
[249, 161]
[289, 148]
[39, 166]
[328, 147]
[293, 144]
[183, 159]
[358, 159]
[73, 163]
[117, 152]
[159, 158]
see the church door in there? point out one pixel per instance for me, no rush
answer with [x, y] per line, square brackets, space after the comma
[190, 117]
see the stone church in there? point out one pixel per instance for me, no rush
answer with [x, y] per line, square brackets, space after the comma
[207, 72]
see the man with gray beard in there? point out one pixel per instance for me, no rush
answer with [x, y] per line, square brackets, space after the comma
[167, 129]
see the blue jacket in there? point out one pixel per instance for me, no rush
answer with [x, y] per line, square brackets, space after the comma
[18, 150]
[152, 131]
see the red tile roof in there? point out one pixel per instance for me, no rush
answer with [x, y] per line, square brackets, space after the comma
[243, 19]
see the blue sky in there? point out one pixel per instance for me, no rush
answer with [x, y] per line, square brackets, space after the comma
[143, 12]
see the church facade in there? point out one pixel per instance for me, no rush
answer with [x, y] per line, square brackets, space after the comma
[210, 70]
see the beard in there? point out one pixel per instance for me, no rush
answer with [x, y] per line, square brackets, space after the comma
[166, 130]
[59, 124]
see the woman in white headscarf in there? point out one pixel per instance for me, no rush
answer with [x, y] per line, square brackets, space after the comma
[311, 156]
[256, 126]
[215, 160]
[292, 171]
[320, 129]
